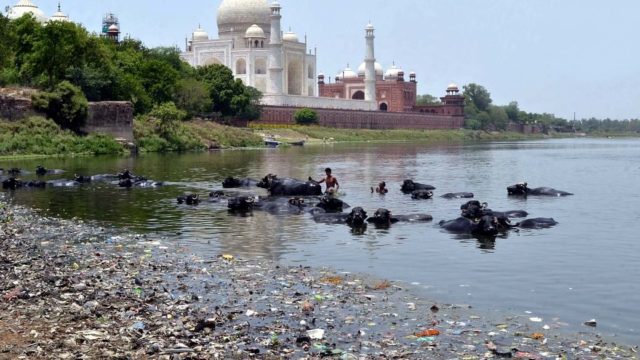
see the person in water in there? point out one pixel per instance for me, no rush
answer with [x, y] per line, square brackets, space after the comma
[331, 181]
[381, 189]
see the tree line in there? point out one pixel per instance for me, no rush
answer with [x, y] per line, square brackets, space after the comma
[482, 114]
[68, 63]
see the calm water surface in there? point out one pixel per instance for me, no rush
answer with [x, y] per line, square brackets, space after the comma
[586, 267]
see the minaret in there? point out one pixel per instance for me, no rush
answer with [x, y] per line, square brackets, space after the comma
[370, 67]
[275, 85]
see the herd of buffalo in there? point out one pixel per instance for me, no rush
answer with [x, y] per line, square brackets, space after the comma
[293, 196]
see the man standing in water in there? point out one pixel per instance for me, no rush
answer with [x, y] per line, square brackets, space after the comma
[331, 182]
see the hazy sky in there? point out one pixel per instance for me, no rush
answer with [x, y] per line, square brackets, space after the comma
[556, 56]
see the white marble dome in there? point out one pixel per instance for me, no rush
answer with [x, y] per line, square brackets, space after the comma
[200, 35]
[238, 15]
[362, 68]
[26, 7]
[254, 31]
[347, 73]
[393, 73]
[453, 87]
[59, 16]
[290, 36]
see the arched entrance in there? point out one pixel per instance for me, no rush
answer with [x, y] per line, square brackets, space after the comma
[384, 107]
[358, 95]
[294, 78]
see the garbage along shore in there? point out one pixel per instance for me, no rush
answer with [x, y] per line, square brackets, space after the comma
[74, 290]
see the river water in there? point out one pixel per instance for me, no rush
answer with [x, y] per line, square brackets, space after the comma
[586, 267]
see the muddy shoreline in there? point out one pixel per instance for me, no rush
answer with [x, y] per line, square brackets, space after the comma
[71, 290]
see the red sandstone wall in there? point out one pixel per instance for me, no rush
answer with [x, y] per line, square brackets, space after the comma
[347, 119]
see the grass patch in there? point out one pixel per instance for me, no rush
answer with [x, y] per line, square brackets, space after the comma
[190, 136]
[43, 137]
[365, 135]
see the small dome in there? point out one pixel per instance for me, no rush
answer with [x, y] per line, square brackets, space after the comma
[26, 7]
[290, 36]
[254, 31]
[199, 34]
[393, 73]
[347, 73]
[59, 15]
[113, 29]
[453, 87]
[362, 68]
[369, 27]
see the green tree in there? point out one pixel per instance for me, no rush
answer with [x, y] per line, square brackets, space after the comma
[247, 105]
[513, 111]
[192, 96]
[477, 95]
[427, 99]
[499, 117]
[306, 116]
[222, 87]
[169, 117]
[159, 80]
[27, 30]
[66, 105]
[58, 46]
[7, 40]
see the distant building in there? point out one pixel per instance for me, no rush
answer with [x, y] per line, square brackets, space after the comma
[111, 27]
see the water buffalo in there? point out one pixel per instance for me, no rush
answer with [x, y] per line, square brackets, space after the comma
[190, 199]
[409, 186]
[127, 175]
[41, 171]
[537, 223]
[138, 181]
[485, 226]
[231, 182]
[383, 218]
[12, 184]
[422, 195]
[62, 183]
[279, 205]
[82, 179]
[241, 204]
[355, 219]
[289, 187]
[332, 204]
[460, 195]
[522, 189]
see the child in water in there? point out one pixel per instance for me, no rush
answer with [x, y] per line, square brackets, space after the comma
[381, 189]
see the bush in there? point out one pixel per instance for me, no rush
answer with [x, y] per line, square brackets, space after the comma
[40, 136]
[66, 105]
[306, 116]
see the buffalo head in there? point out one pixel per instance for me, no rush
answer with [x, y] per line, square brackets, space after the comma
[518, 189]
[231, 182]
[241, 204]
[357, 217]
[486, 226]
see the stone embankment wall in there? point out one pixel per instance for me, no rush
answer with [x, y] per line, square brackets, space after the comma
[114, 118]
[353, 119]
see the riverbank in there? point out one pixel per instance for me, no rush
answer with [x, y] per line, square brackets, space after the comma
[72, 289]
[318, 134]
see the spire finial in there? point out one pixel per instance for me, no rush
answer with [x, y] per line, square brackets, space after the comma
[59, 6]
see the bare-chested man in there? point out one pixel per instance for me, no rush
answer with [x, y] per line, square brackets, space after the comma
[331, 182]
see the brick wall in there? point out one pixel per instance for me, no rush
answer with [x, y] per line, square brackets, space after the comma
[348, 119]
